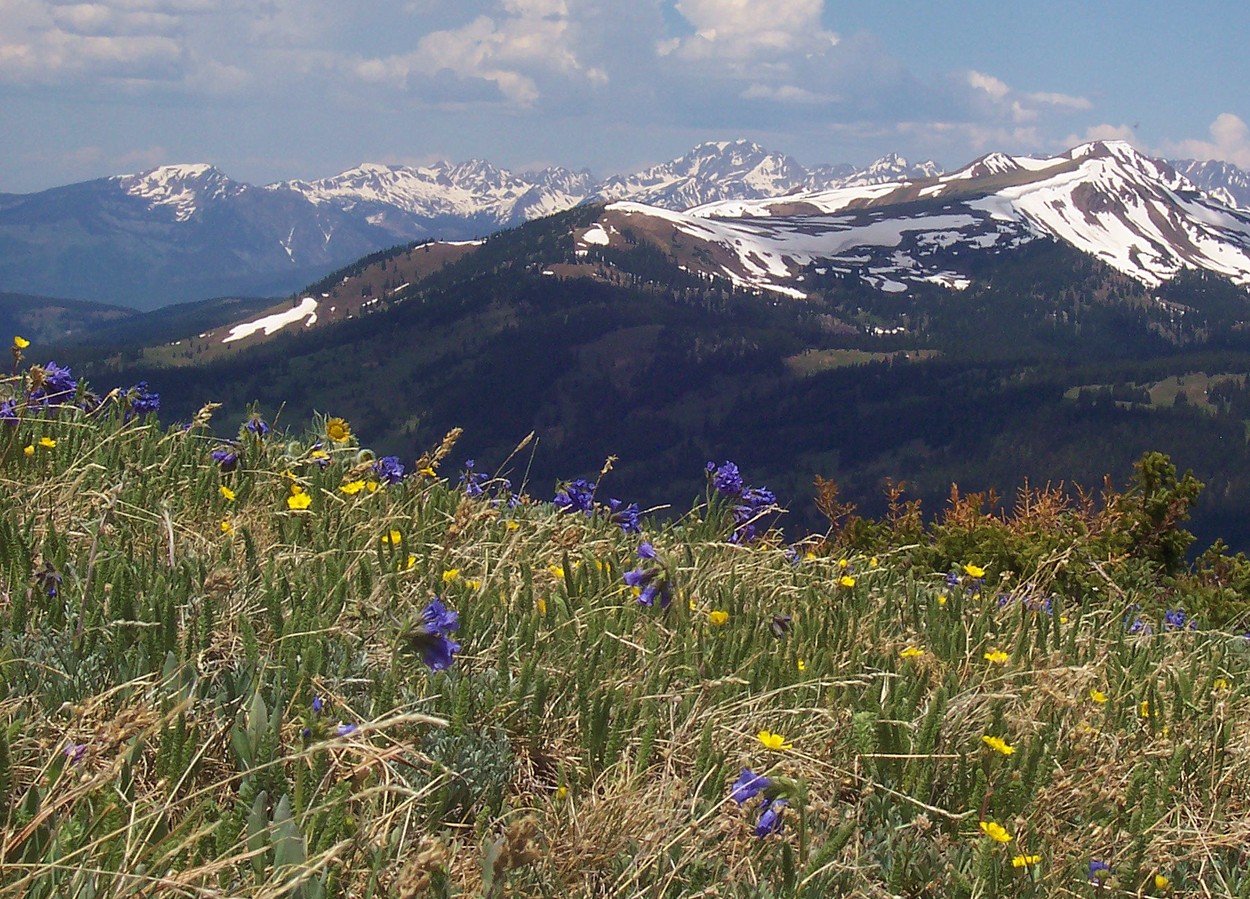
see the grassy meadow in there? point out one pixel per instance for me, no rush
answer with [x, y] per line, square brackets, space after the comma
[253, 659]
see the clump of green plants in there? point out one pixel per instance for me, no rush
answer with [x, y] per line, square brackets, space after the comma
[245, 660]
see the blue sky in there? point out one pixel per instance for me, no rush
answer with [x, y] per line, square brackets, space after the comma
[274, 89]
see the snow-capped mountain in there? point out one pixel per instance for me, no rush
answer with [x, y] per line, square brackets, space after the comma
[725, 170]
[182, 232]
[1104, 198]
[1222, 180]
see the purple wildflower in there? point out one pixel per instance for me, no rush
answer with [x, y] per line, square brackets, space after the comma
[344, 730]
[748, 786]
[318, 704]
[140, 400]
[1099, 871]
[8, 410]
[228, 459]
[389, 469]
[646, 551]
[726, 478]
[626, 517]
[74, 752]
[576, 496]
[770, 817]
[257, 426]
[1177, 620]
[48, 580]
[431, 639]
[440, 618]
[471, 480]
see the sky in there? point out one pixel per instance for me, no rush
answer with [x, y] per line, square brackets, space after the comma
[268, 90]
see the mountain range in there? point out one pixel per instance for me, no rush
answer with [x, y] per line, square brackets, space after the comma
[187, 232]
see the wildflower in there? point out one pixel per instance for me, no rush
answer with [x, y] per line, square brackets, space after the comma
[319, 457]
[351, 488]
[139, 400]
[1099, 871]
[431, 640]
[726, 478]
[625, 517]
[748, 786]
[873, 562]
[974, 571]
[47, 442]
[74, 752]
[226, 458]
[775, 742]
[338, 430]
[541, 605]
[389, 469]
[556, 571]
[1133, 622]
[470, 480]
[1220, 684]
[28, 450]
[318, 704]
[995, 832]
[344, 730]
[48, 580]
[8, 410]
[754, 502]
[650, 581]
[942, 598]
[952, 579]
[450, 575]
[227, 493]
[844, 564]
[770, 817]
[801, 665]
[298, 498]
[1144, 709]
[997, 657]
[911, 652]
[1024, 861]
[512, 525]
[51, 381]
[257, 426]
[846, 581]
[576, 496]
[411, 561]
[562, 792]
[1177, 620]
[226, 526]
[717, 617]
[646, 551]
[1161, 882]
[1097, 695]
[20, 343]
[998, 744]
[780, 625]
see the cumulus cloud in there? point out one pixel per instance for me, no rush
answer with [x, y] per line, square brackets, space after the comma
[745, 31]
[510, 50]
[1230, 142]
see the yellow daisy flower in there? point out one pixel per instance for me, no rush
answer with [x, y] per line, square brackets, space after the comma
[911, 652]
[998, 744]
[227, 493]
[718, 617]
[393, 537]
[20, 342]
[995, 832]
[1098, 696]
[974, 571]
[298, 500]
[1024, 861]
[226, 526]
[338, 430]
[450, 575]
[997, 657]
[775, 742]
[29, 450]
[351, 488]
[846, 581]
[47, 442]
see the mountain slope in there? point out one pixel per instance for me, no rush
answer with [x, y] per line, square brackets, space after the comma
[1104, 198]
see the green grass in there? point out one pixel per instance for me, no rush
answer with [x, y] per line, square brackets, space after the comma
[581, 744]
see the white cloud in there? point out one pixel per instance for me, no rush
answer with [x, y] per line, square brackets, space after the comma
[1062, 101]
[1103, 131]
[1230, 142]
[741, 31]
[988, 83]
[785, 93]
[511, 51]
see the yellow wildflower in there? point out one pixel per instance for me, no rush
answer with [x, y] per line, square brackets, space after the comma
[802, 665]
[351, 488]
[998, 744]
[20, 342]
[718, 617]
[562, 792]
[809, 556]
[473, 584]
[995, 832]
[942, 600]
[1097, 695]
[338, 430]
[873, 563]
[846, 581]
[974, 571]
[47, 442]
[227, 493]
[997, 656]
[844, 564]
[1161, 882]
[428, 472]
[542, 606]
[412, 560]
[1024, 861]
[450, 575]
[29, 449]
[226, 526]
[1220, 684]
[371, 486]
[556, 571]
[1144, 708]
[392, 537]
[912, 652]
[775, 742]
[298, 498]
[511, 525]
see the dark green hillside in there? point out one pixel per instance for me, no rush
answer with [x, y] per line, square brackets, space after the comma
[54, 320]
[622, 353]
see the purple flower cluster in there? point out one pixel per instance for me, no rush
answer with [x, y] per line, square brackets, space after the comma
[747, 787]
[1099, 871]
[576, 496]
[53, 385]
[479, 483]
[257, 426]
[1177, 620]
[389, 470]
[432, 638]
[139, 400]
[1134, 623]
[651, 580]
[750, 504]
[226, 457]
[471, 481]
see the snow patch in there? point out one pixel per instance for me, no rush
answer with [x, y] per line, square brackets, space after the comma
[306, 311]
